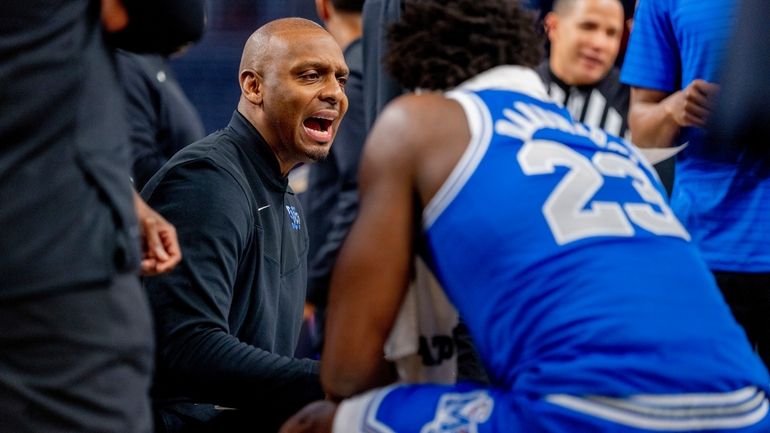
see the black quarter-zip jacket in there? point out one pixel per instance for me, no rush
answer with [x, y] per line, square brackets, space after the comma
[228, 317]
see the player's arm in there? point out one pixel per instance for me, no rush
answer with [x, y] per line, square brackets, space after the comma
[655, 116]
[373, 268]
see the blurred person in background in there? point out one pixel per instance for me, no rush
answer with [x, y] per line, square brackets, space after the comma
[580, 72]
[742, 114]
[162, 119]
[380, 87]
[722, 191]
[76, 343]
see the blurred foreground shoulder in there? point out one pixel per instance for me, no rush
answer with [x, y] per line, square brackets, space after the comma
[414, 121]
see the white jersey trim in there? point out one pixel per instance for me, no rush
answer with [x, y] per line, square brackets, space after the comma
[480, 125]
[359, 414]
[674, 412]
[508, 77]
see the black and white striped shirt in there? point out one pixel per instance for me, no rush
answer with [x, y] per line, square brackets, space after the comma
[604, 104]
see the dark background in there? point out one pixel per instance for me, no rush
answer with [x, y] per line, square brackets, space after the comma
[208, 71]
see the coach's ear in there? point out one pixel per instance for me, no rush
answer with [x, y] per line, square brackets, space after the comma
[252, 86]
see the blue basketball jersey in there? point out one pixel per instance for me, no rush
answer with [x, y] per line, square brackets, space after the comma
[557, 246]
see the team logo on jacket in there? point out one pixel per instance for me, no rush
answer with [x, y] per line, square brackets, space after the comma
[294, 216]
[460, 413]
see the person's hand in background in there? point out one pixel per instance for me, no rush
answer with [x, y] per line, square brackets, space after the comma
[692, 105]
[160, 246]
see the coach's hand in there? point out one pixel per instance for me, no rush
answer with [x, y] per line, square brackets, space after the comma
[317, 417]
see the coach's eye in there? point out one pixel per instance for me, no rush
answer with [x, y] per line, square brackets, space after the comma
[311, 76]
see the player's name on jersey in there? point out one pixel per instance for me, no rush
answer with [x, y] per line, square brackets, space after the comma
[527, 119]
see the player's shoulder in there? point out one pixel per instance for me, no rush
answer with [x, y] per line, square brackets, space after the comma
[414, 108]
[416, 120]
[417, 136]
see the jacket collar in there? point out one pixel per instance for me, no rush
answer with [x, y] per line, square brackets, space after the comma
[258, 151]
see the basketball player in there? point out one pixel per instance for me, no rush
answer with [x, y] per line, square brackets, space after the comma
[590, 307]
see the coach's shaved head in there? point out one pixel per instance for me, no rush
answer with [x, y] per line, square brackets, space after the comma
[258, 50]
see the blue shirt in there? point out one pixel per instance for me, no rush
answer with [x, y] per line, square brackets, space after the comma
[556, 245]
[721, 194]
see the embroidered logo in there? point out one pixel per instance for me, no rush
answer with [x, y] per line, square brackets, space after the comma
[460, 413]
[294, 216]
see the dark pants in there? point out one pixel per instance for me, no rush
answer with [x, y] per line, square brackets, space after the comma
[748, 296]
[77, 361]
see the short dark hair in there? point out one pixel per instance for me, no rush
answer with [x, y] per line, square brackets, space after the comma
[438, 44]
[563, 7]
[348, 5]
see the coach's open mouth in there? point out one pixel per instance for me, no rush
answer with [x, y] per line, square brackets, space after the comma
[319, 125]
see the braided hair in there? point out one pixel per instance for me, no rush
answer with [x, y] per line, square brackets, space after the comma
[438, 44]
